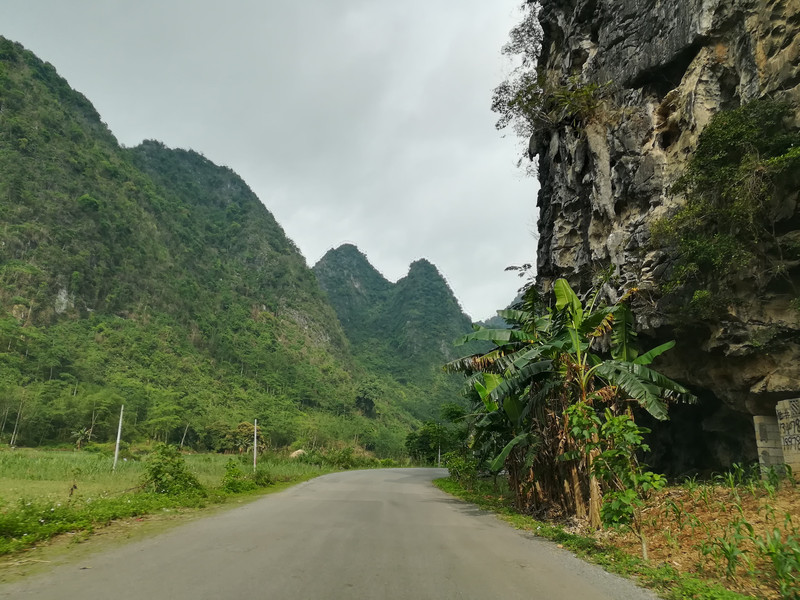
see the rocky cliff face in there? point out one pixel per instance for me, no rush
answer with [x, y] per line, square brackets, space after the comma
[666, 68]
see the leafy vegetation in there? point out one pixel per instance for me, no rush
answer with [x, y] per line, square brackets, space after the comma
[46, 493]
[151, 277]
[738, 211]
[612, 444]
[532, 103]
[530, 100]
[547, 368]
[166, 473]
[401, 332]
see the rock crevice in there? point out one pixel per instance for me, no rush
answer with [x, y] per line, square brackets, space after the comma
[668, 69]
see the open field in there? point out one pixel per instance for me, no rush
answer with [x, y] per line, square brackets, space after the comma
[45, 493]
[54, 475]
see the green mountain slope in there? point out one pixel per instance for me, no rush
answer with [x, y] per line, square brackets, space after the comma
[404, 330]
[356, 290]
[154, 278]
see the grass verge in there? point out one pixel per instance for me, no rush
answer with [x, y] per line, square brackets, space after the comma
[75, 546]
[668, 582]
[57, 493]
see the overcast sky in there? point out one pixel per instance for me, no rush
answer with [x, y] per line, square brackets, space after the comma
[362, 121]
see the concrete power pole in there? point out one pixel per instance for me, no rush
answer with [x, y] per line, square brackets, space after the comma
[255, 443]
[119, 436]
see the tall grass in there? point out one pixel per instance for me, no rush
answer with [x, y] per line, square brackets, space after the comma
[39, 474]
[44, 493]
[35, 474]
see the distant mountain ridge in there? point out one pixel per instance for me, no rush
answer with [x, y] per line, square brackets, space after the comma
[417, 313]
[355, 288]
[153, 278]
[406, 329]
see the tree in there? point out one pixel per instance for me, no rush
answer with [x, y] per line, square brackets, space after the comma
[614, 441]
[81, 436]
[512, 98]
[426, 444]
[366, 395]
[547, 361]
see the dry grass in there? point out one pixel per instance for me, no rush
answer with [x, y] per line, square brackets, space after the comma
[723, 532]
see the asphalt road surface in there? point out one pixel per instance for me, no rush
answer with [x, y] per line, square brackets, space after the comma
[378, 534]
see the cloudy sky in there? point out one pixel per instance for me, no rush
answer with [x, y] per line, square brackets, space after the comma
[362, 121]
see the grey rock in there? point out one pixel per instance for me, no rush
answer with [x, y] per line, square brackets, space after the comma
[671, 67]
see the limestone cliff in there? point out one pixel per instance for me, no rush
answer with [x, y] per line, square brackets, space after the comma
[665, 69]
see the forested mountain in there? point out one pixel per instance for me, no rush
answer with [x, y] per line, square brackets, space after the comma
[151, 277]
[405, 329]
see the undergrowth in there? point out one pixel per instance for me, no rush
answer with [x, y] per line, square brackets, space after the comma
[738, 189]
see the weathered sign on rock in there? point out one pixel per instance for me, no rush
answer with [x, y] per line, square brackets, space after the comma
[768, 439]
[788, 412]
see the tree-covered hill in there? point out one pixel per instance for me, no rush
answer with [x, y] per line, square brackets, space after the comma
[153, 278]
[355, 289]
[404, 330]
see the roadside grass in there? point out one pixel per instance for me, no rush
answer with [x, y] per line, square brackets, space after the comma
[51, 475]
[46, 493]
[59, 475]
[666, 580]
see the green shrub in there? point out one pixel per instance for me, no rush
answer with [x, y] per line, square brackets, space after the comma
[166, 473]
[463, 470]
[234, 481]
[746, 162]
[263, 478]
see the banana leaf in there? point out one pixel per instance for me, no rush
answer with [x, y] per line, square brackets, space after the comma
[644, 392]
[521, 379]
[622, 335]
[567, 298]
[648, 357]
[500, 459]
[498, 336]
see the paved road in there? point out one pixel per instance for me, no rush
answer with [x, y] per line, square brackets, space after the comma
[379, 534]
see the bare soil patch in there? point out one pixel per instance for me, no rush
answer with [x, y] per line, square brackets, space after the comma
[735, 535]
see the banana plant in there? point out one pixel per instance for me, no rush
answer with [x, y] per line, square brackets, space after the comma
[549, 359]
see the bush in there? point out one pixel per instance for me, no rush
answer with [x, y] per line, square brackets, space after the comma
[262, 478]
[166, 473]
[341, 459]
[738, 180]
[234, 481]
[463, 470]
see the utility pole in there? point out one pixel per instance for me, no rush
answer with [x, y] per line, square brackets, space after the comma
[255, 443]
[119, 435]
[439, 436]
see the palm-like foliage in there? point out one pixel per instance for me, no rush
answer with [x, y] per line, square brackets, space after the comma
[549, 359]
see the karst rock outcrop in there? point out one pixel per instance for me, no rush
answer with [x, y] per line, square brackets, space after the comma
[664, 70]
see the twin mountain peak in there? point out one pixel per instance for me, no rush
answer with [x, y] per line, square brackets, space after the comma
[418, 312]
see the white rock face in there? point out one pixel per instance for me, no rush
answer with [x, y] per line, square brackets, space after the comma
[63, 302]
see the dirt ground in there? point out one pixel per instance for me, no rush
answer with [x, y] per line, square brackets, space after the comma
[739, 535]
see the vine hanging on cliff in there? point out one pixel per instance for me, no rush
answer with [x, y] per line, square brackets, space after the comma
[738, 187]
[530, 100]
